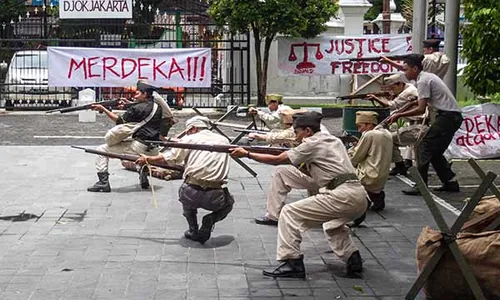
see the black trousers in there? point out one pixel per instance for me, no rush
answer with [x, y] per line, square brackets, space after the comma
[434, 144]
[218, 201]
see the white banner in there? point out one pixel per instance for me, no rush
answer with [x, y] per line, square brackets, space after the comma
[95, 9]
[119, 67]
[327, 55]
[479, 135]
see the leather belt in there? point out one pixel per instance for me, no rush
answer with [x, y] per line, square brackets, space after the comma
[204, 184]
[335, 182]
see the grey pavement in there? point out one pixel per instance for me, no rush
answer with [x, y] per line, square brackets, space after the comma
[68, 243]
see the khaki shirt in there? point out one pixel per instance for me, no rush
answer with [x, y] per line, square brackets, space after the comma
[204, 165]
[436, 63]
[273, 119]
[372, 158]
[409, 91]
[323, 155]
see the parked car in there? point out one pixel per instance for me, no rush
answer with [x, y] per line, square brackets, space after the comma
[26, 82]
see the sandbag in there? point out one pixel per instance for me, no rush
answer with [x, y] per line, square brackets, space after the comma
[482, 252]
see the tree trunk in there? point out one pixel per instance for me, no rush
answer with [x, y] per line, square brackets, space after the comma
[261, 94]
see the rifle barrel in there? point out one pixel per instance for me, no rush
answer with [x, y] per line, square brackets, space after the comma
[128, 157]
[107, 103]
[377, 58]
[221, 148]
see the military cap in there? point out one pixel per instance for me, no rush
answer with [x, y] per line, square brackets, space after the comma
[273, 97]
[310, 119]
[366, 117]
[393, 79]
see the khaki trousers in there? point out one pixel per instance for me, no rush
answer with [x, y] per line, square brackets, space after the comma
[406, 136]
[283, 180]
[332, 209]
[124, 147]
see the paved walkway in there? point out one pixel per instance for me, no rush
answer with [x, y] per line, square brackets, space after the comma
[67, 243]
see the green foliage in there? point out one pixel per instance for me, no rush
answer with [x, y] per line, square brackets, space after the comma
[268, 18]
[375, 10]
[11, 10]
[480, 46]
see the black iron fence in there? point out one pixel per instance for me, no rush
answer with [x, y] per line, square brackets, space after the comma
[23, 55]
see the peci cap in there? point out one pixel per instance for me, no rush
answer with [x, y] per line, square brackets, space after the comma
[432, 43]
[273, 97]
[198, 121]
[144, 86]
[366, 117]
[394, 78]
[310, 119]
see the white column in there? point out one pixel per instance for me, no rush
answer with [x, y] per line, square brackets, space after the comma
[354, 12]
[419, 28]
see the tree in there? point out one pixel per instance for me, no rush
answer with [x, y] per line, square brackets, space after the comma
[11, 10]
[268, 18]
[480, 46]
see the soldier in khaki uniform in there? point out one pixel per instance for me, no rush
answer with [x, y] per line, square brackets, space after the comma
[414, 127]
[205, 178]
[434, 61]
[341, 197]
[272, 119]
[372, 157]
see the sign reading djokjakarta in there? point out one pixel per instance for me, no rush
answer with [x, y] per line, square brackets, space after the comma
[329, 55]
[119, 67]
[479, 135]
[95, 9]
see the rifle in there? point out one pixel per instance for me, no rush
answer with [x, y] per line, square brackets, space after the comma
[348, 139]
[128, 157]
[221, 148]
[108, 103]
[361, 96]
[247, 131]
[377, 58]
[385, 122]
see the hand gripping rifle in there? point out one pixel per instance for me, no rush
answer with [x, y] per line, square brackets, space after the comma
[221, 148]
[108, 103]
[377, 58]
[129, 157]
[410, 103]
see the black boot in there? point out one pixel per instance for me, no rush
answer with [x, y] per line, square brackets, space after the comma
[102, 185]
[408, 163]
[378, 200]
[143, 177]
[449, 186]
[193, 227]
[399, 168]
[354, 265]
[205, 231]
[293, 268]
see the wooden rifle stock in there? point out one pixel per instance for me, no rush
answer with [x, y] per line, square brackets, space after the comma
[221, 148]
[108, 103]
[128, 157]
[377, 58]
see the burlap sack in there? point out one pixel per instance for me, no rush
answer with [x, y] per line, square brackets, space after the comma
[482, 252]
[157, 172]
[486, 204]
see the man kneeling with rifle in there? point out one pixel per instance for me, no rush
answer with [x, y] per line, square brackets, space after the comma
[145, 119]
[341, 197]
[205, 178]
